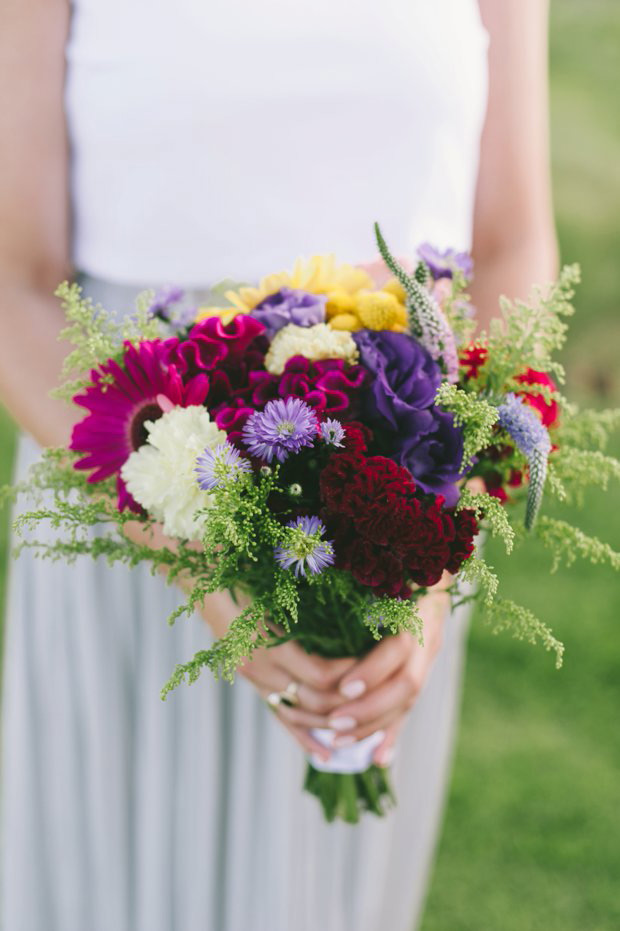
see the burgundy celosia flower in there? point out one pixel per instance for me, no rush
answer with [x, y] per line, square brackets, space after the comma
[384, 533]
[120, 398]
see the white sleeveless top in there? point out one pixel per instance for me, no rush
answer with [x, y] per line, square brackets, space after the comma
[214, 140]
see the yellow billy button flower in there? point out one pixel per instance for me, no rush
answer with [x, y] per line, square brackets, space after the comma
[393, 286]
[380, 310]
[345, 321]
[226, 314]
[339, 301]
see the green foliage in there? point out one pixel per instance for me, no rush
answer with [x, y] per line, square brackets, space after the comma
[244, 635]
[391, 614]
[473, 414]
[491, 511]
[575, 470]
[568, 543]
[528, 332]
[96, 335]
[505, 615]
[589, 429]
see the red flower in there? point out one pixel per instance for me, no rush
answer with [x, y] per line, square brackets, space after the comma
[327, 385]
[461, 548]
[549, 411]
[472, 359]
[383, 533]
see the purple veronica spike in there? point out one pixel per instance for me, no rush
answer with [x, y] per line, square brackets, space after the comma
[524, 426]
[444, 264]
[532, 438]
[220, 465]
[283, 427]
[305, 548]
[332, 432]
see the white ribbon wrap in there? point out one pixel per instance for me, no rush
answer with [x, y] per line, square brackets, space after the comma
[356, 758]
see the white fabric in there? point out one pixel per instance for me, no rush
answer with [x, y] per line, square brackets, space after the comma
[224, 140]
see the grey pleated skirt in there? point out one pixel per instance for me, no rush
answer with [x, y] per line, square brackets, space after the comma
[124, 813]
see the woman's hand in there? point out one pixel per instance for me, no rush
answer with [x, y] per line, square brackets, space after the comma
[273, 669]
[380, 688]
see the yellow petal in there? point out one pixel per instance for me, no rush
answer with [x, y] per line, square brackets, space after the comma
[347, 322]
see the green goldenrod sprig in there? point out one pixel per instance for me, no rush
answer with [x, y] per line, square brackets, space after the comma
[474, 415]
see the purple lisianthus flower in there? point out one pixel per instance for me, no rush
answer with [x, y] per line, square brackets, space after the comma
[399, 401]
[290, 305]
[283, 427]
[443, 264]
[305, 547]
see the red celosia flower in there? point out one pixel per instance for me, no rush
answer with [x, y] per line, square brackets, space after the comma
[329, 385]
[384, 534]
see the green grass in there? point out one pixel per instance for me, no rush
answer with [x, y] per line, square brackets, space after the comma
[532, 829]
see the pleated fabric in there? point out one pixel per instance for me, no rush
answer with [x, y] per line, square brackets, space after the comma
[121, 812]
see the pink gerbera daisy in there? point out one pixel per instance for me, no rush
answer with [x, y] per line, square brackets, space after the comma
[121, 398]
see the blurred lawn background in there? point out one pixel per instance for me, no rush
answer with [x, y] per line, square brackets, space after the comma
[532, 832]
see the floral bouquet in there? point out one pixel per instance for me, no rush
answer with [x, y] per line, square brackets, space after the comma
[310, 443]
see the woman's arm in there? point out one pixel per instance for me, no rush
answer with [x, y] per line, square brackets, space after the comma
[514, 234]
[34, 213]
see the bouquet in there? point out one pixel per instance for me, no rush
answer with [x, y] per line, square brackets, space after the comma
[311, 442]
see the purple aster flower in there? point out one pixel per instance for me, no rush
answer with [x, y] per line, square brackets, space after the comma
[220, 465]
[164, 306]
[305, 547]
[332, 432]
[443, 264]
[283, 427]
[399, 402]
[524, 426]
[290, 305]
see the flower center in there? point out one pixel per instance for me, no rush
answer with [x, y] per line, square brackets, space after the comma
[286, 427]
[138, 434]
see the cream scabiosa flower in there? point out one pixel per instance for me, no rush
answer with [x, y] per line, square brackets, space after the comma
[312, 342]
[160, 475]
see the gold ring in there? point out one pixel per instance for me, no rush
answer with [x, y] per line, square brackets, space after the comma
[290, 695]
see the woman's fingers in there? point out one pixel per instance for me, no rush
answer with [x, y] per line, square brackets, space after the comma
[320, 674]
[267, 674]
[377, 666]
[303, 737]
[393, 696]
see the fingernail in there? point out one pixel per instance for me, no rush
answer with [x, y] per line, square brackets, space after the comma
[385, 756]
[353, 689]
[344, 741]
[342, 724]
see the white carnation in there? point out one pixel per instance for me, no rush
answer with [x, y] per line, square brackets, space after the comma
[160, 475]
[313, 342]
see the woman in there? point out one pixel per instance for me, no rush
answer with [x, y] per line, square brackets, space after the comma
[187, 144]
